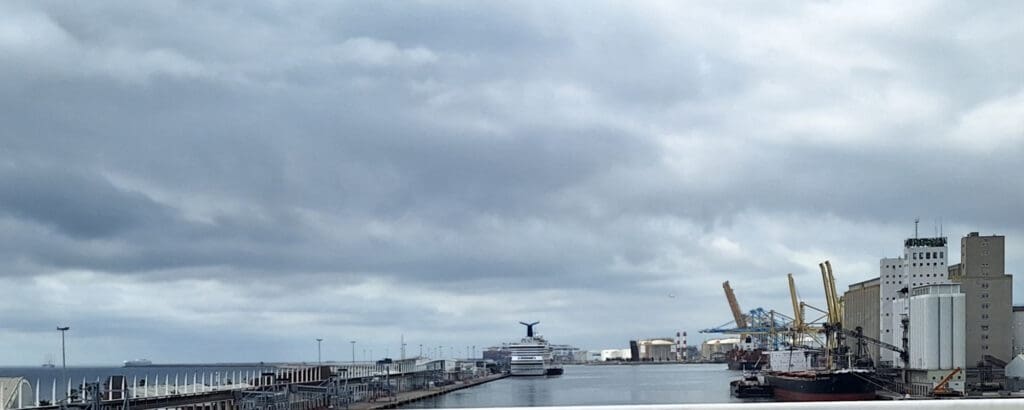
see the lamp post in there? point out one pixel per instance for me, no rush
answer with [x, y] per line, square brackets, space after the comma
[319, 360]
[353, 342]
[63, 354]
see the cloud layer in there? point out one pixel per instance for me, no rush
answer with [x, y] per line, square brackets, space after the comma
[182, 179]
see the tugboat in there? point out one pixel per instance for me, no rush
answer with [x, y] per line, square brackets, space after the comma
[751, 385]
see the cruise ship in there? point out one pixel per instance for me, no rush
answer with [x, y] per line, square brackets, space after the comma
[531, 356]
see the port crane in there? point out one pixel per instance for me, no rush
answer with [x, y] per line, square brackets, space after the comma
[737, 313]
[758, 326]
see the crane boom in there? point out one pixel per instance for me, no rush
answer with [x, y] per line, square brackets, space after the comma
[798, 317]
[836, 302]
[737, 314]
[828, 296]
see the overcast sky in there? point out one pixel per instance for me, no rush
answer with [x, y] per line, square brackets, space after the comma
[193, 181]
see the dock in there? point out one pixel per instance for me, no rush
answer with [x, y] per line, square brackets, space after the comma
[411, 396]
[360, 386]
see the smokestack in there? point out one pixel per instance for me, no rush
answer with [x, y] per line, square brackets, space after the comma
[529, 328]
[684, 346]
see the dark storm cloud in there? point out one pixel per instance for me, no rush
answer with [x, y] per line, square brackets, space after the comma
[380, 159]
[76, 205]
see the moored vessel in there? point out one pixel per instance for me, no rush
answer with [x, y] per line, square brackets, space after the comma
[822, 385]
[531, 356]
[751, 385]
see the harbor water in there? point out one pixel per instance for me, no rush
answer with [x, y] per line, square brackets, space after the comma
[599, 385]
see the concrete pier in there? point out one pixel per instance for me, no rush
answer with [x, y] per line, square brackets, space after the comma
[404, 398]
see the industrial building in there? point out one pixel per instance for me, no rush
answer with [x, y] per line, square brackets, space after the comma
[993, 330]
[657, 349]
[1018, 330]
[923, 263]
[715, 349]
[982, 276]
[937, 331]
[862, 310]
[615, 354]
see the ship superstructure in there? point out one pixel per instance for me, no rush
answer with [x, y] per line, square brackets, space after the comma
[531, 356]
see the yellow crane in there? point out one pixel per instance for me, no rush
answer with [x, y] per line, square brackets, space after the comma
[737, 314]
[798, 314]
[834, 323]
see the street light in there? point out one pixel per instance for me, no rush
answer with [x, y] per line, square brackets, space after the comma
[63, 354]
[353, 351]
[319, 361]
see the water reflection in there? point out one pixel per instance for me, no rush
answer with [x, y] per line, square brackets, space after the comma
[597, 385]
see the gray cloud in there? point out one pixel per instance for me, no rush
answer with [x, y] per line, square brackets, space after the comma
[361, 171]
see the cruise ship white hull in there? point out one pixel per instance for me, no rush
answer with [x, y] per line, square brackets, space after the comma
[528, 366]
[528, 372]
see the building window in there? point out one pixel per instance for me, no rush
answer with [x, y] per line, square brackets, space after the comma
[942, 254]
[984, 305]
[927, 255]
[984, 295]
[984, 337]
[984, 327]
[984, 315]
[915, 255]
[984, 347]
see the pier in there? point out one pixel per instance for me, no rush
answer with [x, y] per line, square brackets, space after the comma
[297, 387]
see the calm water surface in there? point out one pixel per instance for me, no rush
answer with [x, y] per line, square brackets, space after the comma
[596, 385]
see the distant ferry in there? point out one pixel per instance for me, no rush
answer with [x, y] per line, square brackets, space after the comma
[532, 355]
[49, 362]
[137, 363]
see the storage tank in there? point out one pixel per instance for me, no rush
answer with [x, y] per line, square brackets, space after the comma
[945, 334]
[937, 327]
[959, 330]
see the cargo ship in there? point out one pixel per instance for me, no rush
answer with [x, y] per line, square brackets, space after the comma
[821, 385]
[817, 374]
